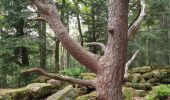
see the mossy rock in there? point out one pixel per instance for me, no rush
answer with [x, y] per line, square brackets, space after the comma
[90, 96]
[140, 93]
[147, 75]
[137, 77]
[130, 78]
[156, 74]
[148, 86]
[142, 81]
[32, 91]
[87, 74]
[128, 93]
[153, 81]
[81, 91]
[88, 78]
[68, 93]
[41, 79]
[143, 69]
[138, 86]
[14, 94]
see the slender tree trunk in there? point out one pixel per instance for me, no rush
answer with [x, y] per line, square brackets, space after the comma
[42, 43]
[112, 64]
[167, 58]
[57, 66]
[78, 21]
[79, 29]
[94, 49]
[19, 26]
[25, 59]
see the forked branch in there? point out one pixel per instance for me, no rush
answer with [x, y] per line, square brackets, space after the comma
[135, 26]
[60, 77]
[50, 13]
[129, 62]
[103, 47]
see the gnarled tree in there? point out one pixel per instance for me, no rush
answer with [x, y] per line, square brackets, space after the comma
[110, 67]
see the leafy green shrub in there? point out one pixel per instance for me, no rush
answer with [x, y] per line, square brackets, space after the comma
[74, 72]
[159, 93]
[163, 91]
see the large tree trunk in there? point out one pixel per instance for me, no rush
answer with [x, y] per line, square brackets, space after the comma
[112, 64]
[110, 67]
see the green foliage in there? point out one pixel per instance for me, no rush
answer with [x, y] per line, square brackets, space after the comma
[159, 93]
[127, 93]
[74, 72]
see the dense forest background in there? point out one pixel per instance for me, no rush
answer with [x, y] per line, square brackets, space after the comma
[27, 42]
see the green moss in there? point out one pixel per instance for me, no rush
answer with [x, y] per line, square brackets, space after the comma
[127, 93]
[41, 79]
[90, 96]
[68, 93]
[88, 78]
[148, 86]
[142, 81]
[143, 69]
[139, 86]
[81, 91]
[137, 77]
[32, 91]
[147, 75]
[130, 78]
[87, 74]
[140, 93]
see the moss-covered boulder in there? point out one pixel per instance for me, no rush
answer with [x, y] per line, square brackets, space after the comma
[148, 86]
[41, 79]
[129, 93]
[137, 77]
[138, 86]
[90, 96]
[147, 75]
[31, 92]
[81, 90]
[130, 77]
[142, 81]
[68, 93]
[140, 93]
[143, 69]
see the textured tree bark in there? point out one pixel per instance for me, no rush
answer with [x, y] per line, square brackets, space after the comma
[112, 64]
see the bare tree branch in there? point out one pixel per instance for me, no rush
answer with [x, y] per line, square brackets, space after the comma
[97, 44]
[36, 19]
[50, 13]
[129, 62]
[135, 26]
[60, 77]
